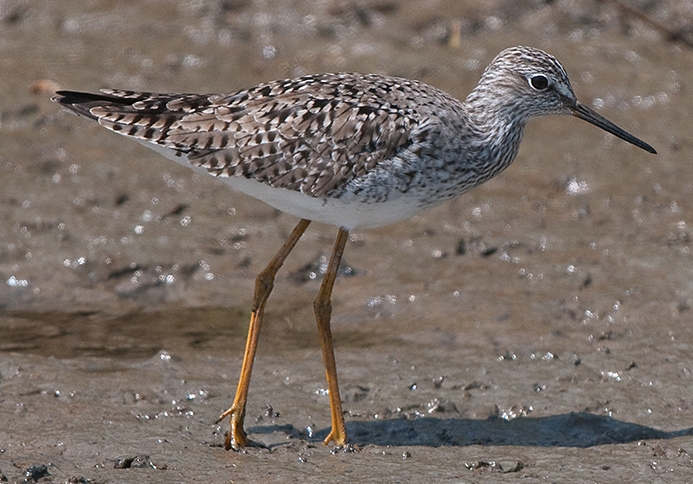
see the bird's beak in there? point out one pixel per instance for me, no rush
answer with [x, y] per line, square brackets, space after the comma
[583, 112]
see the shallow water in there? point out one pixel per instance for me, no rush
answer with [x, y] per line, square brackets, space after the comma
[538, 326]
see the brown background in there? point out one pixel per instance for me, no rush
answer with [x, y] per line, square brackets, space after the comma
[537, 327]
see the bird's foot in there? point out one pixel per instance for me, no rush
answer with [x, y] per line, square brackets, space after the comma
[236, 437]
[337, 435]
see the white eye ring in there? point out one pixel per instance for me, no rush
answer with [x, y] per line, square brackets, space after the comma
[539, 82]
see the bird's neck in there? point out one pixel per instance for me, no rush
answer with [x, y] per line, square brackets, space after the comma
[498, 130]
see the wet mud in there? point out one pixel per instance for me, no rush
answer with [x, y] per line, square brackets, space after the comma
[539, 327]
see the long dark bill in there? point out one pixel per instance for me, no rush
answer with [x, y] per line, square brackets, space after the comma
[583, 112]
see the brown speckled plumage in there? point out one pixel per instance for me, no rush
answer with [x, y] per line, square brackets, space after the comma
[311, 134]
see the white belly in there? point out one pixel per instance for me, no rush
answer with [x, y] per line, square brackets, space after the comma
[341, 212]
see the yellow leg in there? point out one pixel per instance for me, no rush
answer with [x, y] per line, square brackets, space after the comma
[264, 283]
[323, 313]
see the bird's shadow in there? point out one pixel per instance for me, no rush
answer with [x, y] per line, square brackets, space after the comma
[568, 430]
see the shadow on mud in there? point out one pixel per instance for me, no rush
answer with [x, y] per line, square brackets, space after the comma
[567, 430]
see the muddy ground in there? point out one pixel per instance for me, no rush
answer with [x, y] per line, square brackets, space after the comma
[538, 327]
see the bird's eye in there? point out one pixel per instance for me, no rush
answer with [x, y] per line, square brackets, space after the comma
[539, 82]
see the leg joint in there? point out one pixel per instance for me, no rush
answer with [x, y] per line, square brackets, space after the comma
[264, 282]
[322, 305]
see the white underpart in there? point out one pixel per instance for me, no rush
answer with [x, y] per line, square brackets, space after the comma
[347, 211]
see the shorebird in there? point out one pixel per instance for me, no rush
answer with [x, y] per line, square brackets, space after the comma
[351, 150]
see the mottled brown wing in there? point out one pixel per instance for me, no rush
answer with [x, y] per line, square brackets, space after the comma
[311, 134]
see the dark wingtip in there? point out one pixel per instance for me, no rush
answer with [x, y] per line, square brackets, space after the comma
[80, 102]
[77, 97]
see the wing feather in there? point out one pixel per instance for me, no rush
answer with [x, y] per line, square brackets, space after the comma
[311, 134]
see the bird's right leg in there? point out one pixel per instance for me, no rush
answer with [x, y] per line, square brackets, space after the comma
[264, 283]
[323, 316]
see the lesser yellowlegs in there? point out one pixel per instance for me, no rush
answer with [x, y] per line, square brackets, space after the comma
[350, 150]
